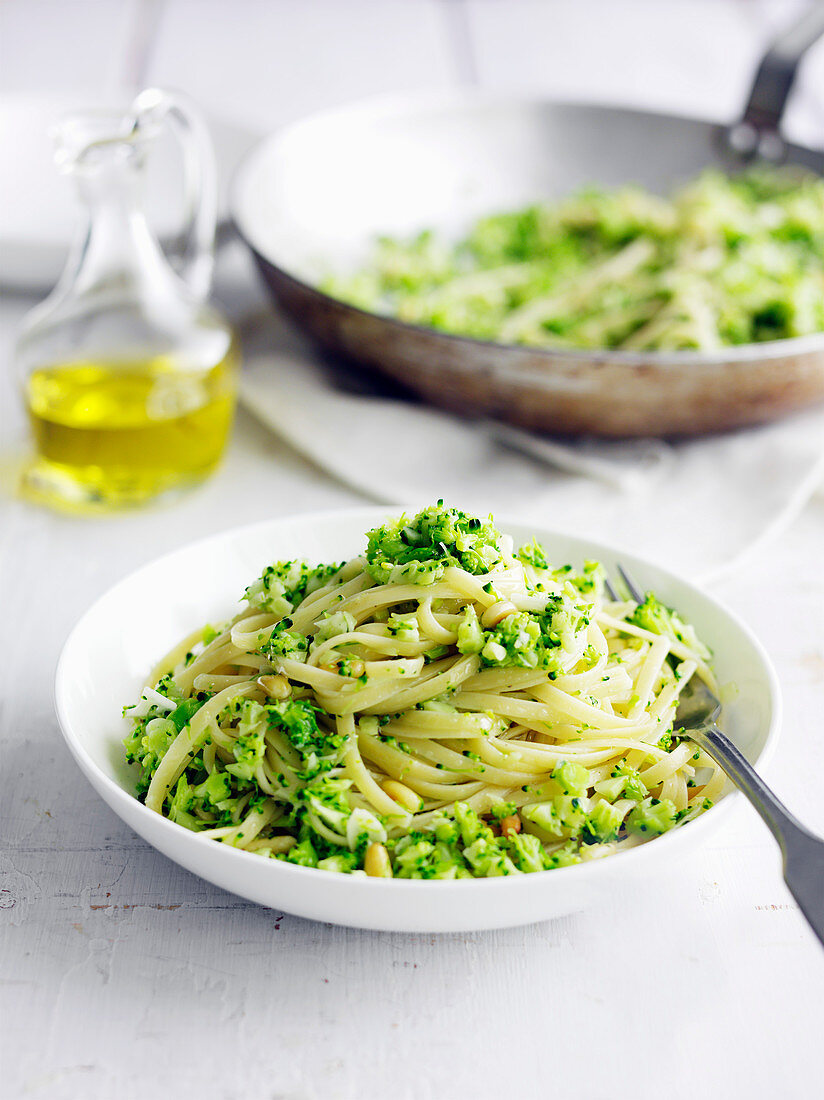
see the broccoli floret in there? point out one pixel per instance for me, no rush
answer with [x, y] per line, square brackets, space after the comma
[285, 584]
[214, 791]
[248, 751]
[469, 824]
[527, 852]
[572, 812]
[151, 737]
[691, 812]
[332, 623]
[362, 828]
[181, 803]
[572, 778]
[158, 734]
[612, 788]
[652, 817]
[303, 854]
[326, 799]
[590, 579]
[517, 640]
[445, 828]
[603, 824]
[417, 550]
[656, 617]
[502, 809]
[411, 858]
[488, 859]
[563, 857]
[418, 857]
[283, 642]
[298, 719]
[634, 787]
[531, 639]
[183, 713]
[470, 635]
[342, 862]
[544, 816]
[404, 627]
[532, 553]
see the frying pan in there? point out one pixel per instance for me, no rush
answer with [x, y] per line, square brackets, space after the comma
[312, 198]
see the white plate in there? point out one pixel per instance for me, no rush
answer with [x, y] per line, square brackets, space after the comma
[40, 211]
[122, 635]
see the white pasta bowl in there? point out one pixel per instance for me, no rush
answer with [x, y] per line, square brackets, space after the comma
[121, 636]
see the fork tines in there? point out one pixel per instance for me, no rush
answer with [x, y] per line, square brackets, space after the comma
[633, 589]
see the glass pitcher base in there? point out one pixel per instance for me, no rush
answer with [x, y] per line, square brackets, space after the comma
[89, 490]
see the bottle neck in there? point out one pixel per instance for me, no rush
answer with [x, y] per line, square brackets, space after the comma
[116, 253]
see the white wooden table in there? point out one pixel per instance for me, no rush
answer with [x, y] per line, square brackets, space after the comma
[123, 976]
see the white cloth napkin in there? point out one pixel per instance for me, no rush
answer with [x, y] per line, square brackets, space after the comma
[697, 507]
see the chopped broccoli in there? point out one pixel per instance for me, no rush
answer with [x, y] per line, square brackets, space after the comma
[184, 712]
[285, 643]
[332, 623]
[417, 551]
[532, 553]
[563, 815]
[470, 634]
[326, 798]
[652, 816]
[302, 853]
[654, 616]
[634, 786]
[341, 862]
[470, 825]
[726, 260]
[572, 778]
[250, 744]
[488, 859]
[603, 824]
[565, 856]
[214, 791]
[527, 852]
[612, 788]
[283, 586]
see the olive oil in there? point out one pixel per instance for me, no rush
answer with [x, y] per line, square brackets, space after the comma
[111, 434]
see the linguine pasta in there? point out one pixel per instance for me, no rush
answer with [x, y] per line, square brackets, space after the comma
[727, 260]
[442, 706]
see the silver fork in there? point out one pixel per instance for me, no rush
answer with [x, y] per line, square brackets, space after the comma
[802, 851]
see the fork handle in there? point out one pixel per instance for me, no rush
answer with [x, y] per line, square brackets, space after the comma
[802, 851]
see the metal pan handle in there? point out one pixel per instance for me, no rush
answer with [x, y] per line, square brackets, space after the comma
[758, 132]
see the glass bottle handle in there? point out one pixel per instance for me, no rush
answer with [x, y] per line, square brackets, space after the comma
[194, 258]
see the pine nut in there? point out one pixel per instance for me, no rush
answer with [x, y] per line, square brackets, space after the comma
[497, 611]
[376, 862]
[345, 666]
[510, 825]
[403, 795]
[276, 687]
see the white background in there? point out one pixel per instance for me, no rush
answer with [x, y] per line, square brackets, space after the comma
[124, 976]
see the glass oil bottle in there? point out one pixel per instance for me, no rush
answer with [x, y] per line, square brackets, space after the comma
[128, 373]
